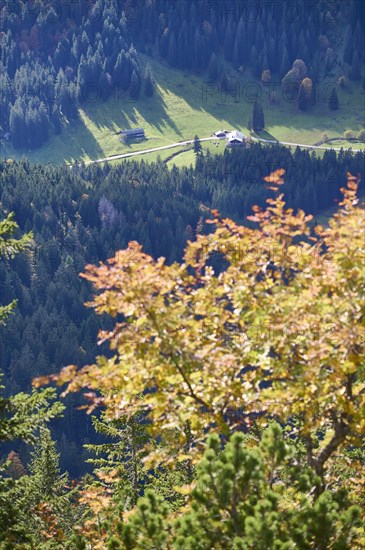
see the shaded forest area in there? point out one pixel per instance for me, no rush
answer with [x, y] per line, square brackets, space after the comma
[82, 215]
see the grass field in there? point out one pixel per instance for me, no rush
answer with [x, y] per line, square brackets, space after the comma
[185, 105]
[355, 146]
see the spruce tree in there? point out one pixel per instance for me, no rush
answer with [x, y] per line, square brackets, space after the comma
[105, 85]
[197, 146]
[19, 417]
[249, 123]
[135, 86]
[255, 63]
[333, 100]
[122, 454]
[229, 41]
[17, 125]
[45, 493]
[213, 67]
[12, 525]
[148, 81]
[258, 120]
[163, 44]
[172, 51]
[47, 482]
[284, 64]
[355, 71]
[248, 495]
[302, 100]
[348, 45]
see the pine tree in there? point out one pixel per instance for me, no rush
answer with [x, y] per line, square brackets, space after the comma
[19, 416]
[47, 482]
[333, 100]
[197, 147]
[255, 63]
[9, 247]
[105, 85]
[122, 455]
[148, 81]
[45, 494]
[135, 86]
[43, 122]
[236, 52]
[249, 123]
[284, 64]
[305, 94]
[355, 71]
[248, 495]
[213, 67]
[229, 42]
[122, 70]
[348, 45]
[17, 125]
[12, 526]
[258, 120]
[163, 45]
[172, 51]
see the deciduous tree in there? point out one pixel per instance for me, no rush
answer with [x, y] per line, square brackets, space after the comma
[222, 351]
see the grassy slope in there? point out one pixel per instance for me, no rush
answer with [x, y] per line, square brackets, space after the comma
[180, 109]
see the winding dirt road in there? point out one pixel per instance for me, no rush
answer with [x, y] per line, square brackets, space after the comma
[145, 151]
[212, 138]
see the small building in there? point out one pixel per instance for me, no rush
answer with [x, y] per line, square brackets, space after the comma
[221, 133]
[235, 138]
[133, 133]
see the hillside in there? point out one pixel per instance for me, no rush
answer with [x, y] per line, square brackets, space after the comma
[71, 78]
[180, 110]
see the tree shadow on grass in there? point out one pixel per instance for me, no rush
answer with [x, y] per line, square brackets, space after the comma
[123, 112]
[264, 134]
[235, 105]
[65, 147]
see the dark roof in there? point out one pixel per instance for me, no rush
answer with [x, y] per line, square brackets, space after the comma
[132, 132]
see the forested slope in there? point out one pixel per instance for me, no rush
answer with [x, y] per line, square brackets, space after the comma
[85, 214]
[56, 55]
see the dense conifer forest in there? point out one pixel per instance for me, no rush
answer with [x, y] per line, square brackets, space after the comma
[85, 214]
[181, 347]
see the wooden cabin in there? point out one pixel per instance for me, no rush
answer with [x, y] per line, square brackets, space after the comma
[133, 133]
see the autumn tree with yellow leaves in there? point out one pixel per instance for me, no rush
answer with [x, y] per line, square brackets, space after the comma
[278, 334]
